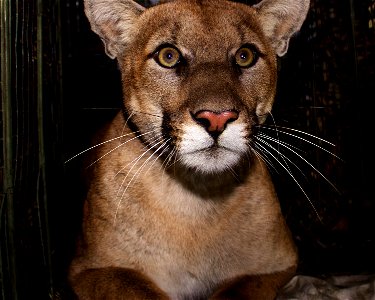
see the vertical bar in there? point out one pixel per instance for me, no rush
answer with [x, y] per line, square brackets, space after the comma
[41, 183]
[8, 254]
[359, 113]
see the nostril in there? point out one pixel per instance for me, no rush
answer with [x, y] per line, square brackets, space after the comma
[215, 122]
[203, 121]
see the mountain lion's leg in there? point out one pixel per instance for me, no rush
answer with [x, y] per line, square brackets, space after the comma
[115, 283]
[253, 287]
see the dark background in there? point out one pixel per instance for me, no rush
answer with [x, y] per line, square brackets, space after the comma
[58, 88]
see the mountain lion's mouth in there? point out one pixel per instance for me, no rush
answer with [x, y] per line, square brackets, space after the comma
[202, 152]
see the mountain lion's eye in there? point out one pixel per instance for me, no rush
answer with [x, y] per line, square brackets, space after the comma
[168, 57]
[245, 57]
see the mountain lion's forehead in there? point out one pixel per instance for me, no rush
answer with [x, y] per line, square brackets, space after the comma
[215, 25]
[215, 13]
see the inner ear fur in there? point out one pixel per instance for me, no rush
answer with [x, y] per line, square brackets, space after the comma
[113, 21]
[281, 19]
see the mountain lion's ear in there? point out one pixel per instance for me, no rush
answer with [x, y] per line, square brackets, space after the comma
[113, 21]
[281, 19]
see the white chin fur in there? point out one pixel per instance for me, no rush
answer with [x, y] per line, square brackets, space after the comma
[196, 149]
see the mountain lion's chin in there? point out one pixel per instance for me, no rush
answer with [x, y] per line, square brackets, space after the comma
[214, 160]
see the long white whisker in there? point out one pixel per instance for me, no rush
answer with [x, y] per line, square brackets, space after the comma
[164, 165]
[136, 173]
[146, 113]
[151, 140]
[143, 164]
[133, 163]
[294, 179]
[176, 160]
[305, 140]
[278, 141]
[126, 123]
[283, 156]
[302, 158]
[145, 148]
[168, 161]
[97, 145]
[122, 144]
[156, 158]
[277, 128]
[262, 156]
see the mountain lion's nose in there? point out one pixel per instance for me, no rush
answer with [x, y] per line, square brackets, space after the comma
[215, 122]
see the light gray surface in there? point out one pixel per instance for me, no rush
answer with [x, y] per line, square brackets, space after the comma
[356, 287]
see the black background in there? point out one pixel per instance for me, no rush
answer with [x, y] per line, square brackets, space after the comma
[326, 88]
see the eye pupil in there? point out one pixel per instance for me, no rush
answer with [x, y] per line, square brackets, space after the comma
[169, 56]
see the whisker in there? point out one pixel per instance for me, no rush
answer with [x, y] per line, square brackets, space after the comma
[277, 128]
[122, 144]
[292, 176]
[156, 158]
[278, 141]
[286, 146]
[262, 156]
[176, 160]
[283, 156]
[149, 158]
[143, 164]
[136, 173]
[126, 122]
[151, 140]
[146, 113]
[145, 149]
[169, 162]
[166, 161]
[233, 172]
[307, 141]
[274, 124]
[133, 163]
[100, 144]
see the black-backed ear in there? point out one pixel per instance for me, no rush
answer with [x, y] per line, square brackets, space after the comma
[113, 21]
[281, 19]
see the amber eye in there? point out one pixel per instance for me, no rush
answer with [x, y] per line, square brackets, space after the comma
[168, 57]
[245, 57]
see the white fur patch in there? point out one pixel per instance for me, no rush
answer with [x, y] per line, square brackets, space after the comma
[181, 284]
[199, 150]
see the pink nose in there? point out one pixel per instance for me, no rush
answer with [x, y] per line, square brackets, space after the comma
[215, 122]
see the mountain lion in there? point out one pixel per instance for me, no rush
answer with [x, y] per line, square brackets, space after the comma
[180, 204]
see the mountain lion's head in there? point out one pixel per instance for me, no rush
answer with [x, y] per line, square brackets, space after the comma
[200, 75]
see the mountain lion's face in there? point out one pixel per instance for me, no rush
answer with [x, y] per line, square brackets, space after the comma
[200, 80]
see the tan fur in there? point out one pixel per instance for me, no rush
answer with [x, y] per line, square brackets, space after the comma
[196, 216]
